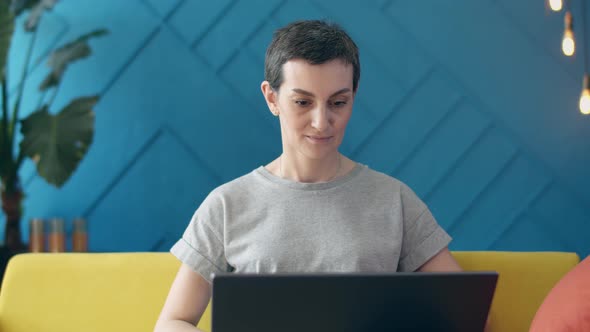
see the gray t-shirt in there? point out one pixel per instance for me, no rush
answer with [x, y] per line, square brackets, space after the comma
[365, 221]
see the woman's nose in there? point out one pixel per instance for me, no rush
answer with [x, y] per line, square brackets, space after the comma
[320, 119]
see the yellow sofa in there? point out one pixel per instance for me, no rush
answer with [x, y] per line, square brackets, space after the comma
[125, 291]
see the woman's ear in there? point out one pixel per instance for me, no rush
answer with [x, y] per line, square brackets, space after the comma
[271, 97]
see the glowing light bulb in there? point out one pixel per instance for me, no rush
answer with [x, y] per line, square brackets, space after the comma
[568, 44]
[555, 5]
[585, 97]
[585, 102]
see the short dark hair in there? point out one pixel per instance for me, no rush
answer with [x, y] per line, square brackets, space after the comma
[314, 41]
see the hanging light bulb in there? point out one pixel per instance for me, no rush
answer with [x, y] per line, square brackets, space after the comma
[555, 5]
[585, 97]
[568, 44]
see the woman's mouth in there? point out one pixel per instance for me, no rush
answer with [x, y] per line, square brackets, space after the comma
[319, 139]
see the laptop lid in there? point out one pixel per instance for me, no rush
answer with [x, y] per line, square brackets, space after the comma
[458, 301]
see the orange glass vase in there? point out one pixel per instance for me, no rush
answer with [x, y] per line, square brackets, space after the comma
[36, 235]
[56, 238]
[80, 236]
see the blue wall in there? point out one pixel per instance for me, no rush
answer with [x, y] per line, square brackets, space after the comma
[469, 102]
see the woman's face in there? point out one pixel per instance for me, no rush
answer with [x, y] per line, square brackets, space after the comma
[314, 104]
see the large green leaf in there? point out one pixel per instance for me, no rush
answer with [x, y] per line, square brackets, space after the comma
[18, 6]
[36, 12]
[57, 143]
[60, 59]
[6, 29]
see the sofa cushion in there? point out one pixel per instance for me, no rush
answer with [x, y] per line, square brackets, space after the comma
[567, 306]
[126, 291]
[524, 281]
[85, 291]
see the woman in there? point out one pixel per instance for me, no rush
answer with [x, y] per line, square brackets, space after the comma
[311, 209]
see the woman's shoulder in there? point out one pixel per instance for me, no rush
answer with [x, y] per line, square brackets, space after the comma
[382, 179]
[241, 185]
[386, 184]
[236, 190]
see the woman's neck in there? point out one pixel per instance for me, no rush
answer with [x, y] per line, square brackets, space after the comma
[310, 171]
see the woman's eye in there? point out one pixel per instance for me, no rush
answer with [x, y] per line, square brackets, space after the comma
[339, 103]
[302, 103]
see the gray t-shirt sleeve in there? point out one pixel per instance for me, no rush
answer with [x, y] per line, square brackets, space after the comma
[201, 246]
[423, 237]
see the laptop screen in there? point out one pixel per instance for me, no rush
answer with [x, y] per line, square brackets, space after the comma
[456, 301]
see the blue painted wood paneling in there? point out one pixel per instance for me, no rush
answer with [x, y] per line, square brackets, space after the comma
[471, 103]
[444, 148]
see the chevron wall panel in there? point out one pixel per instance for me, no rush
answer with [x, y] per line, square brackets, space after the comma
[470, 103]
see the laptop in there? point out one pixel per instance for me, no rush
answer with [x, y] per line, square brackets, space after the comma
[455, 301]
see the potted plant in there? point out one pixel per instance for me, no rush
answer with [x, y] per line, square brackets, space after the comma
[55, 141]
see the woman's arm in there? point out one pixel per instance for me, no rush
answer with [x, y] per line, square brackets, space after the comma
[187, 300]
[441, 262]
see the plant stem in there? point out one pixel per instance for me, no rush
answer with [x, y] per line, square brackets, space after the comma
[5, 105]
[41, 98]
[11, 205]
[55, 90]
[14, 118]
[19, 159]
[4, 150]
